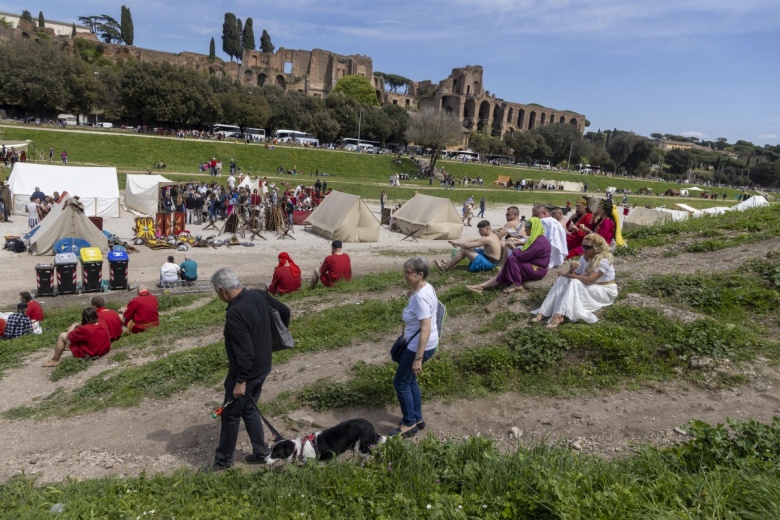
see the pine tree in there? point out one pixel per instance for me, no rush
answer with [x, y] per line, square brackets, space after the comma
[238, 51]
[41, 20]
[265, 42]
[229, 35]
[73, 31]
[248, 36]
[26, 15]
[126, 24]
[212, 50]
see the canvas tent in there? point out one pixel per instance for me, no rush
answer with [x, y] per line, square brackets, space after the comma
[755, 201]
[65, 220]
[97, 188]
[431, 218]
[638, 217]
[344, 217]
[565, 185]
[251, 185]
[502, 180]
[142, 193]
[677, 215]
[672, 193]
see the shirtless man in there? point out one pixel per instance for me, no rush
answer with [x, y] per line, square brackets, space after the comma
[557, 214]
[513, 226]
[484, 253]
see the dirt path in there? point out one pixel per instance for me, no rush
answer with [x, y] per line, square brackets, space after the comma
[167, 434]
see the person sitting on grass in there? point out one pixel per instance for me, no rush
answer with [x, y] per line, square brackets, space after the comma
[483, 253]
[287, 276]
[108, 318]
[18, 324]
[87, 340]
[142, 312]
[586, 287]
[336, 266]
[528, 262]
[34, 310]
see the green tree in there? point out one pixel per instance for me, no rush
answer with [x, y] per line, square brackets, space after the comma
[26, 15]
[248, 36]
[239, 50]
[73, 30]
[41, 20]
[678, 161]
[766, 174]
[434, 129]
[212, 50]
[126, 26]
[265, 42]
[562, 140]
[325, 127]
[109, 29]
[345, 111]
[231, 40]
[245, 108]
[358, 88]
[91, 22]
[399, 120]
[522, 145]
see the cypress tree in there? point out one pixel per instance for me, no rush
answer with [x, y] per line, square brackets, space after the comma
[212, 50]
[41, 20]
[238, 51]
[248, 36]
[228, 34]
[265, 42]
[73, 31]
[126, 25]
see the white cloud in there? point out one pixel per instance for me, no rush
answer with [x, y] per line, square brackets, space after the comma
[700, 135]
[768, 136]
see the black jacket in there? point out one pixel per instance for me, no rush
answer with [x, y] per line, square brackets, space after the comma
[248, 333]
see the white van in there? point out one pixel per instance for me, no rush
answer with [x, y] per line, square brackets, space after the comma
[67, 120]
[105, 125]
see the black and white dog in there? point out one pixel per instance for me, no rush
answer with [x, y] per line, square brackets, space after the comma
[358, 435]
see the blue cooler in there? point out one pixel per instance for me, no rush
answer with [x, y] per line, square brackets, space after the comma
[67, 266]
[117, 263]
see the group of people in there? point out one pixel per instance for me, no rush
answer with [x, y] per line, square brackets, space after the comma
[99, 327]
[28, 317]
[287, 277]
[526, 250]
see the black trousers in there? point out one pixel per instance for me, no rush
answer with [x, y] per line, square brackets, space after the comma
[242, 408]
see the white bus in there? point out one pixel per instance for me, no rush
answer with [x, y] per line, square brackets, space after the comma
[257, 134]
[467, 156]
[226, 130]
[352, 145]
[294, 136]
[67, 120]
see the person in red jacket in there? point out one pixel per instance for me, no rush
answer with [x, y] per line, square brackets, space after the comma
[287, 276]
[86, 340]
[34, 310]
[337, 266]
[108, 318]
[142, 311]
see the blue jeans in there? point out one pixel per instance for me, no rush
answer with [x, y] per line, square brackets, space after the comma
[242, 408]
[407, 389]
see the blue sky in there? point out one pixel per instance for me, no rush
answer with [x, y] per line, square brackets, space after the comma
[706, 68]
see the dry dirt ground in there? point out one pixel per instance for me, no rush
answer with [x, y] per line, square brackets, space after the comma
[160, 436]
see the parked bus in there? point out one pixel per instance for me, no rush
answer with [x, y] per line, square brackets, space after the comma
[294, 136]
[351, 144]
[257, 134]
[67, 120]
[226, 130]
[467, 156]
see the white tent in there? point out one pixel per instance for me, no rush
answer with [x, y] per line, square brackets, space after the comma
[250, 185]
[689, 209]
[645, 217]
[755, 201]
[65, 220]
[676, 214]
[567, 185]
[715, 210]
[431, 218]
[97, 188]
[142, 193]
[344, 217]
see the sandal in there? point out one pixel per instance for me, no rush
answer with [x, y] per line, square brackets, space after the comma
[513, 289]
[538, 318]
[555, 321]
[51, 363]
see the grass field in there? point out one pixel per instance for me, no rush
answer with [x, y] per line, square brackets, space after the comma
[363, 175]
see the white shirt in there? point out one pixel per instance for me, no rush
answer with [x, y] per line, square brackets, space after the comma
[556, 234]
[422, 304]
[604, 267]
[231, 181]
[169, 272]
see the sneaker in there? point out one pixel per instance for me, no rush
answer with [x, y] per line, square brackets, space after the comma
[404, 431]
[255, 459]
[420, 425]
[214, 467]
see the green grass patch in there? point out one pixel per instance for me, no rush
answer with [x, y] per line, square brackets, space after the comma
[714, 475]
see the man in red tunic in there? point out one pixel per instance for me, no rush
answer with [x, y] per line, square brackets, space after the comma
[337, 266]
[86, 340]
[142, 311]
[108, 318]
[287, 276]
[34, 310]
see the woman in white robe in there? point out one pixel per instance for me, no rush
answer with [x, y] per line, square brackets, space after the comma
[586, 287]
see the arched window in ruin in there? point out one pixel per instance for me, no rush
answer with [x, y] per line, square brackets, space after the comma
[543, 119]
[448, 110]
[532, 120]
[261, 79]
[406, 103]
[552, 119]
[280, 80]
[468, 90]
[484, 112]
[521, 119]
[395, 101]
[573, 121]
[510, 115]
[562, 119]
[476, 88]
[379, 97]
[247, 76]
[498, 119]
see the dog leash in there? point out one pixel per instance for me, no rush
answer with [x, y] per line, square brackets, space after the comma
[219, 411]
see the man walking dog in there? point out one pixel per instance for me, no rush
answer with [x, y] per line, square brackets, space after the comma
[248, 346]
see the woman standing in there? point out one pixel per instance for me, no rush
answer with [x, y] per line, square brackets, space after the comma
[422, 334]
[529, 262]
[588, 286]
